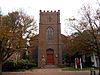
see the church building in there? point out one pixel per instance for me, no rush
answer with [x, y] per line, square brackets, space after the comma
[49, 41]
[49, 38]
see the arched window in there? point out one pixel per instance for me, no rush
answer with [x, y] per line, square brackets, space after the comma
[49, 33]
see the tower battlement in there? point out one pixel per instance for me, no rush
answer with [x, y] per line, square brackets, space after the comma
[45, 11]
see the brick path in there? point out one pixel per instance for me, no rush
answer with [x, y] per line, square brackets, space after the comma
[48, 72]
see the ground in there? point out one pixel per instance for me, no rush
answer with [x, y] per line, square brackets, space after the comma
[57, 71]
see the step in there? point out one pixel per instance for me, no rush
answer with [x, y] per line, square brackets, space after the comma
[50, 66]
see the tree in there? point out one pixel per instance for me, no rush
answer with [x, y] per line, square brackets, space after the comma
[88, 24]
[33, 49]
[21, 23]
[10, 42]
[69, 52]
[83, 42]
[15, 29]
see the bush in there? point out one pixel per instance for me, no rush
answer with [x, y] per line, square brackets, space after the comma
[16, 65]
[9, 65]
[22, 64]
[30, 65]
[88, 64]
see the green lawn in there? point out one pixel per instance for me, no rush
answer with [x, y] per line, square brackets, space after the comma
[73, 69]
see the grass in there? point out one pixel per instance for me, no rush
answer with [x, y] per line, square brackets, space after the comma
[73, 69]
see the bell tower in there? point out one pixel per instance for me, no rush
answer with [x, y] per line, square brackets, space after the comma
[49, 38]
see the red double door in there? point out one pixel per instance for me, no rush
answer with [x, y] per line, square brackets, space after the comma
[50, 59]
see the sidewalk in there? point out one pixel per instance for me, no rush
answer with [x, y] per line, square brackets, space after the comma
[48, 72]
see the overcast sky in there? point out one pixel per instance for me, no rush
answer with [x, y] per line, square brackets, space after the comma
[68, 8]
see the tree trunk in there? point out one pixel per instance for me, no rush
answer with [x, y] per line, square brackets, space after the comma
[0, 68]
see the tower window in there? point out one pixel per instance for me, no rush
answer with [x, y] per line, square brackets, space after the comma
[49, 33]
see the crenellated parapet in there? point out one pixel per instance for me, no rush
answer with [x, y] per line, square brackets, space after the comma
[49, 16]
[47, 11]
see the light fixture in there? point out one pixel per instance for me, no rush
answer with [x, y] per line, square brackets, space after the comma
[43, 56]
[56, 56]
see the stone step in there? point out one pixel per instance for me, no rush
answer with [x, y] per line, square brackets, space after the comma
[50, 66]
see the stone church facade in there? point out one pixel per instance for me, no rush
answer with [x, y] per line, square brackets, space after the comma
[49, 39]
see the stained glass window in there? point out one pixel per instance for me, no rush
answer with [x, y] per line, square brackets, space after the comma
[49, 33]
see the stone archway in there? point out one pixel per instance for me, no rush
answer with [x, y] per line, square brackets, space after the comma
[50, 56]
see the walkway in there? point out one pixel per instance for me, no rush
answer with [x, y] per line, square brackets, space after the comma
[48, 72]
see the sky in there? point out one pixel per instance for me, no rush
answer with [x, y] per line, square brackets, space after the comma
[68, 8]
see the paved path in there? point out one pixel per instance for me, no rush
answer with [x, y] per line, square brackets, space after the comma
[48, 72]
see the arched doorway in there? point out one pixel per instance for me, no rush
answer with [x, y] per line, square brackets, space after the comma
[50, 56]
